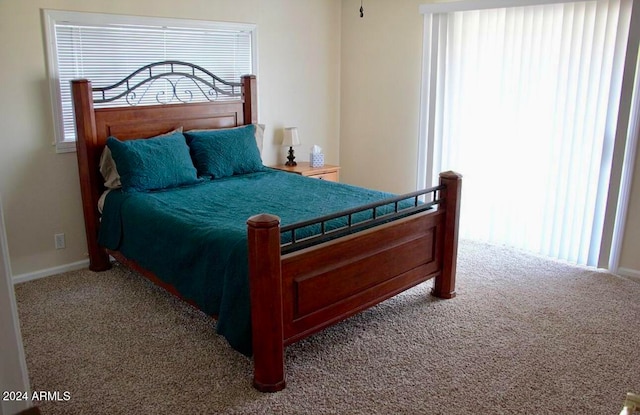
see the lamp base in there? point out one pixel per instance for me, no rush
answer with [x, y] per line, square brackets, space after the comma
[291, 157]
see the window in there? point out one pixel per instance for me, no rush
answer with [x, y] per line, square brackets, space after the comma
[534, 97]
[106, 48]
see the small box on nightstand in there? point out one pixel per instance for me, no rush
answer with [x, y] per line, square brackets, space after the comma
[317, 159]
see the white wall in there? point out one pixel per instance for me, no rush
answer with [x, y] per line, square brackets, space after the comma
[630, 256]
[298, 85]
[380, 99]
[13, 368]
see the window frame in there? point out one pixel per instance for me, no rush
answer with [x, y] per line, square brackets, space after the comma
[52, 17]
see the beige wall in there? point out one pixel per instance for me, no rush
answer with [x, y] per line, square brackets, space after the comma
[380, 95]
[380, 98]
[298, 81]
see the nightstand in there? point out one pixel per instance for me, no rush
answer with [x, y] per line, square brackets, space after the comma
[326, 172]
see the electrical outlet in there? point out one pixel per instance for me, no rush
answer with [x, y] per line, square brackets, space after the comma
[59, 238]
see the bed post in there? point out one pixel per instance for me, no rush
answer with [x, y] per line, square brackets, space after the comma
[249, 93]
[445, 283]
[265, 282]
[88, 170]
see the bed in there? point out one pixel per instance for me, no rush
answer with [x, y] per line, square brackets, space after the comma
[297, 270]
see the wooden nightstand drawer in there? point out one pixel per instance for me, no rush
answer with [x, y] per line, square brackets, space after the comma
[332, 177]
[326, 172]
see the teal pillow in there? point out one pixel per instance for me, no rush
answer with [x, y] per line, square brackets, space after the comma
[153, 163]
[225, 152]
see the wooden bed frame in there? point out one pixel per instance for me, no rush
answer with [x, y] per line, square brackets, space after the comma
[293, 294]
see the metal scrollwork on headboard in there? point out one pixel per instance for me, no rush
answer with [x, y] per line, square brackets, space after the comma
[166, 82]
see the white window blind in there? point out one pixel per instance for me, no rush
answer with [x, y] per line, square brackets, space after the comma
[107, 48]
[528, 99]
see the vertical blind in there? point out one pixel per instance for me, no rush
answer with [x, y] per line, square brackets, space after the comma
[105, 54]
[523, 101]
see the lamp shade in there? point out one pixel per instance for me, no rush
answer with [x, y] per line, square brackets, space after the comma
[290, 137]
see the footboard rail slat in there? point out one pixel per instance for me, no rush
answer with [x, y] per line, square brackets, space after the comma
[326, 233]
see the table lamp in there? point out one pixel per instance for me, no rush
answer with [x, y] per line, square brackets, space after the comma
[290, 138]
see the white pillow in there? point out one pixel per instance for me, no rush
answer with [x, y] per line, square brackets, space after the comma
[108, 170]
[259, 136]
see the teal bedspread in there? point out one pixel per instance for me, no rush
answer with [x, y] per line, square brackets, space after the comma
[195, 237]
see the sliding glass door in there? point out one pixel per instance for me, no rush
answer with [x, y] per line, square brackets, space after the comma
[525, 103]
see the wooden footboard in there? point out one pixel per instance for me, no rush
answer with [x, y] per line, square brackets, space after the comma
[299, 293]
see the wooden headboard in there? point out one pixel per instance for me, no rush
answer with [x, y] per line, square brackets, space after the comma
[95, 125]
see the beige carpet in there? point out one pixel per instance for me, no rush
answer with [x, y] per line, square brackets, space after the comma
[525, 335]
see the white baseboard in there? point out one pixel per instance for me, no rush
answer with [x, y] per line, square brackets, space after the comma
[628, 272]
[17, 279]
[74, 266]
